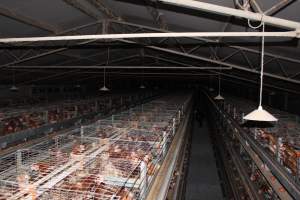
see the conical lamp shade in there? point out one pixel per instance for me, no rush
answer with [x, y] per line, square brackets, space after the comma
[104, 89]
[260, 115]
[219, 97]
[14, 88]
[211, 89]
[142, 87]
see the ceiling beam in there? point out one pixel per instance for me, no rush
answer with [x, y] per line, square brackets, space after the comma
[288, 34]
[257, 83]
[256, 7]
[200, 39]
[27, 20]
[45, 69]
[205, 59]
[217, 62]
[137, 56]
[277, 7]
[83, 8]
[51, 52]
[147, 75]
[43, 54]
[104, 9]
[222, 10]
[76, 56]
[157, 16]
[214, 41]
[118, 67]
[48, 77]
[90, 57]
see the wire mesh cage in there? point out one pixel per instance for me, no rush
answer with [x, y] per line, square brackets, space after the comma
[279, 139]
[112, 158]
[99, 177]
[9, 189]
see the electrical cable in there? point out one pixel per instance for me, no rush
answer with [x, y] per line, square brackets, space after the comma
[262, 64]
[262, 24]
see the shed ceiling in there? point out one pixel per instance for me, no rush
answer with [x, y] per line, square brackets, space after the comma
[43, 17]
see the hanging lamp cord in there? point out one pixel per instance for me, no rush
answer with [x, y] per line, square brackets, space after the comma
[14, 78]
[219, 84]
[261, 24]
[107, 62]
[220, 69]
[262, 64]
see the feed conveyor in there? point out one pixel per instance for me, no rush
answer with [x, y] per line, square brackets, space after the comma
[261, 147]
[113, 158]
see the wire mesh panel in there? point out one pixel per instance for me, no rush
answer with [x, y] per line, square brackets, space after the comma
[113, 158]
[142, 135]
[9, 189]
[149, 153]
[101, 129]
[40, 160]
[280, 139]
[99, 178]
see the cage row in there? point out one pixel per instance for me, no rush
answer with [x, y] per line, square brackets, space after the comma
[109, 159]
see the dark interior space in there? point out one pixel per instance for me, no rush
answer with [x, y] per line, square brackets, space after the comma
[150, 99]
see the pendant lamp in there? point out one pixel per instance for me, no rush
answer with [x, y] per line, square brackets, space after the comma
[104, 88]
[219, 97]
[260, 114]
[142, 86]
[14, 88]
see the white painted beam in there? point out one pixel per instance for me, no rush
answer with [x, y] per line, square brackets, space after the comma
[222, 10]
[202, 58]
[288, 34]
[212, 41]
[119, 67]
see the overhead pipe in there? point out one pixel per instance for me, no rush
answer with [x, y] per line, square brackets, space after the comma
[222, 10]
[288, 34]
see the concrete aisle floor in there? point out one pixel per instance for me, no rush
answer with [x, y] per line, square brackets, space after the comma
[202, 181]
